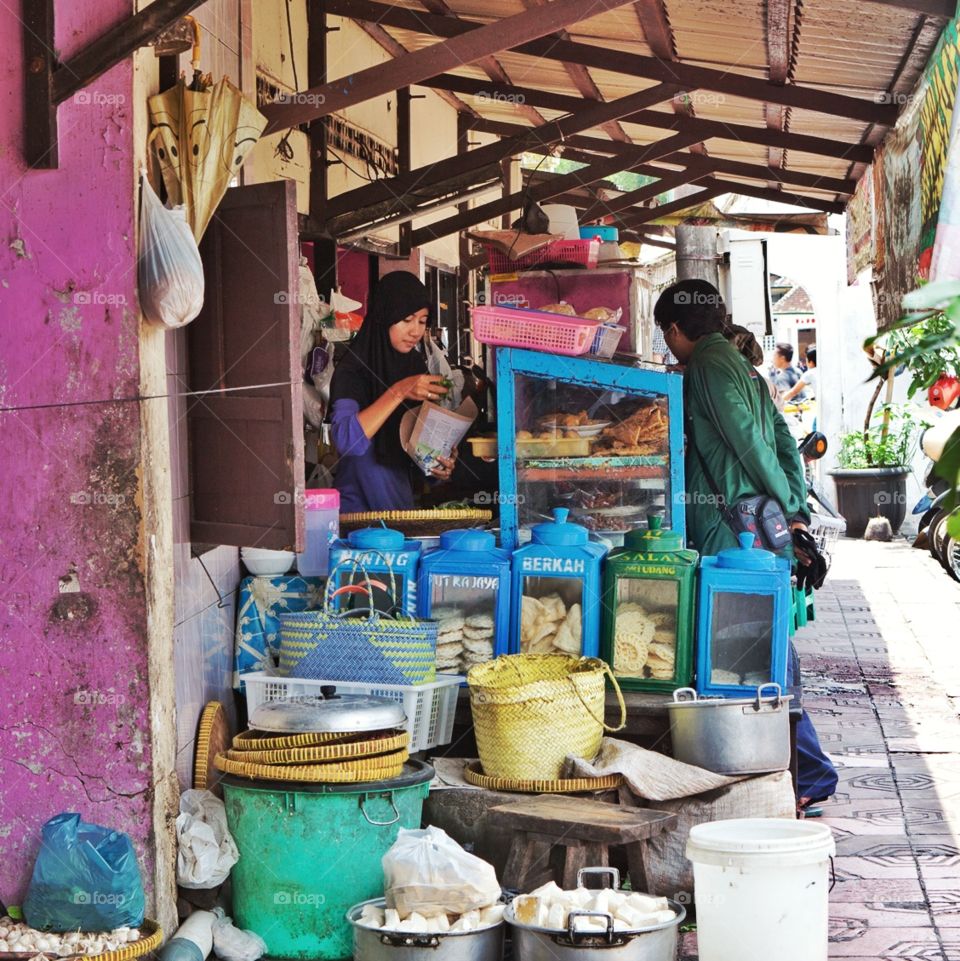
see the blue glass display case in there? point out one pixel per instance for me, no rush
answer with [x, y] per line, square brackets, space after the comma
[603, 438]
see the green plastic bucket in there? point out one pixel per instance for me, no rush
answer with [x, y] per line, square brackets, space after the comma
[309, 852]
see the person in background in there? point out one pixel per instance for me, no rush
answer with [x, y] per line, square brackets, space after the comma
[785, 375]
[382, 375]
[809, 381]
[735, 433]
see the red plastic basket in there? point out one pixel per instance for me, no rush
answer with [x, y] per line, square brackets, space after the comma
[533, 329]
[581, 252]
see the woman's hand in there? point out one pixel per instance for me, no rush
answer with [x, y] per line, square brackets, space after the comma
[420, 387]
[445, 469]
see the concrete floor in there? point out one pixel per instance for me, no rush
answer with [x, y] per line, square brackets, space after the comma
[881, 669]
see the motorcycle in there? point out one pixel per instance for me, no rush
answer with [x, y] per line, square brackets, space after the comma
[932, 532]
[826, 522]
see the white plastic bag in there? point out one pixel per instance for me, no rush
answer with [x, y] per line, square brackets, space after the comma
[230, 943]
[438, 364]
[169, 269]
[428, 872]
[205, 849]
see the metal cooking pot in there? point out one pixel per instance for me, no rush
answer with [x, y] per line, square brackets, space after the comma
[373, 944]
[656, 943]
[732, 735]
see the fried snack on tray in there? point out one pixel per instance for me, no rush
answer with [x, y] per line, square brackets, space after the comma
[642, 433]
[560, 308]
[644, 644]
[546, 625]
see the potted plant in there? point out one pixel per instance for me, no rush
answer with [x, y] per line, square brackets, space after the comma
[873, 463]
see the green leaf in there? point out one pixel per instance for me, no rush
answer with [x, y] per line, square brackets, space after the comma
[953, 525]
[932, 295]
[948, 466]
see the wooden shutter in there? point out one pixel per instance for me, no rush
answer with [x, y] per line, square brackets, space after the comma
[246, 442]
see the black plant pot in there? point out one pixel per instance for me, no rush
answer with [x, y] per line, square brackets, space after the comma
[871, 492]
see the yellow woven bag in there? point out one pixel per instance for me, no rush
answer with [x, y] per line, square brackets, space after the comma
[531, 710]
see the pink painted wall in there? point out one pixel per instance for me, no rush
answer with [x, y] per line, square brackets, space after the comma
[74, 731]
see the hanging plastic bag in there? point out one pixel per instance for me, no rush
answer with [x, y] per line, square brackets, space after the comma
[85, 878]
[313, 311]
[230, 943]
[428, 872]
[438, 364]
[169, 269]
[205, 848]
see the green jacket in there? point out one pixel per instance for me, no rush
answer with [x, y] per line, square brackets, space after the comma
[737, 431]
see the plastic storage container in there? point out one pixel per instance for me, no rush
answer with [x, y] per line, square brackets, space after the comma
[534, 329]
[465, 585]
[555, 590]
[388, 558]
[648, 607]
[309, 852]
[322, 522]
[762, 888]
[743, 620]
[605, 232]
[430, 708]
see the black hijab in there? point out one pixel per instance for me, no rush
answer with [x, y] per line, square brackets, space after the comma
[371, 364]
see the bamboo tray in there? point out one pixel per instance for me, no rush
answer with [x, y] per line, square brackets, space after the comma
[255, 741]
[341, 772]
[323, 752]
[422, 523]
[473, 773]
[151, 937]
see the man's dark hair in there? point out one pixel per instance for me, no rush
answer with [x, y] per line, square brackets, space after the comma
[695, 306]
[785, 351]
[812, 354]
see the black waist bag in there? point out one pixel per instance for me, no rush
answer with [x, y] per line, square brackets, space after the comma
[763, 517]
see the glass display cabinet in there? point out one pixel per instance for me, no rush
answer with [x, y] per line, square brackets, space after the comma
[603, 438]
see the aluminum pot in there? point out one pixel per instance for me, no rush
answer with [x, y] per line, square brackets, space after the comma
[732, 735]
[655, 943]
[373, 944]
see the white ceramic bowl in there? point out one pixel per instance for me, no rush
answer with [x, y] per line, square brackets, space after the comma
[263, 562]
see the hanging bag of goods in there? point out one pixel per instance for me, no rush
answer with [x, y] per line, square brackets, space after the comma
[531, 710]
[363, 644]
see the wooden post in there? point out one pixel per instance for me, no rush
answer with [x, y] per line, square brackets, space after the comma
[404, 131]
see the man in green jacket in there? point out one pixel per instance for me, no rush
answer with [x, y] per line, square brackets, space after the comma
[736, 437]
[738, 445]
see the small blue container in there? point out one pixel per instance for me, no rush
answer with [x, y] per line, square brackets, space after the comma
[555, 590]
[464, 584]
[743, 620]
[609, 235]
[385, 555]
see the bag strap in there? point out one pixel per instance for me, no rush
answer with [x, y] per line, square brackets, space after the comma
[332, 590]
[616, 687]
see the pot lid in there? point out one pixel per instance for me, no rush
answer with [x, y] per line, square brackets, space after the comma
[377, 539]
[746, 557]
[559, 532]
[328, 713]
[467, 540]
[655, 539]
[776, 698]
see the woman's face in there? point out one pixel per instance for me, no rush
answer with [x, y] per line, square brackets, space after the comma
[407, 333]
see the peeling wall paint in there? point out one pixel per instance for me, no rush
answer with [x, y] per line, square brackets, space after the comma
[74, 724]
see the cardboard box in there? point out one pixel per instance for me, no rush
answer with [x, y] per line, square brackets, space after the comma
[430, 431]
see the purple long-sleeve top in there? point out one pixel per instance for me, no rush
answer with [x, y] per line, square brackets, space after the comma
[364, 484]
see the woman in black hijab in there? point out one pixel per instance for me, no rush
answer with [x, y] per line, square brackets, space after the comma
[382, 375]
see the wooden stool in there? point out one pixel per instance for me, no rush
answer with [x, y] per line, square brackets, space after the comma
[584, 829]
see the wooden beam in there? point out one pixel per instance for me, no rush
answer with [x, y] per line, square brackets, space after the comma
[778, 40]
[424, 179]
[317, 131]
[543, 191]
[657, 241]
[473, 45]
[635, 65]
[650, 214]
[667, 181]
[860, 153]
[40, 148]
[780, 196]
[943, 9]
[115, 45]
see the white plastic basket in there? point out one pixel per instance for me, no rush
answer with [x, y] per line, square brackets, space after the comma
[430, 708]
[826, 531]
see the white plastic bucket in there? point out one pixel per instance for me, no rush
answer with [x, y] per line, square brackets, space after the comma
[761, 889]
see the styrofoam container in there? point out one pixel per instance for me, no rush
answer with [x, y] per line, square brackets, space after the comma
[761, 887]
[563, 220]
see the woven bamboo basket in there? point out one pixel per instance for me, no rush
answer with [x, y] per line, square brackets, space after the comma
[255, 741]
[531, 710]
[342, 772]
[323, 752]
[422, 523]
[151, 936]
[473, 774]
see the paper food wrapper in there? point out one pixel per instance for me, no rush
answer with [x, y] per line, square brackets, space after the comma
[430, 431]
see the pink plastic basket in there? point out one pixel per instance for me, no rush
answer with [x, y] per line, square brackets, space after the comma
[533, 329]
[581, 252]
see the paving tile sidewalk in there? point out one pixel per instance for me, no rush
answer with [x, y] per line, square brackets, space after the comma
[881, 668]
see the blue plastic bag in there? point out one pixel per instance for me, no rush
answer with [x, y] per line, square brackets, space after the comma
[85, 878]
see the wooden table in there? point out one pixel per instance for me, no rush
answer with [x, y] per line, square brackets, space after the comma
[555, 836]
